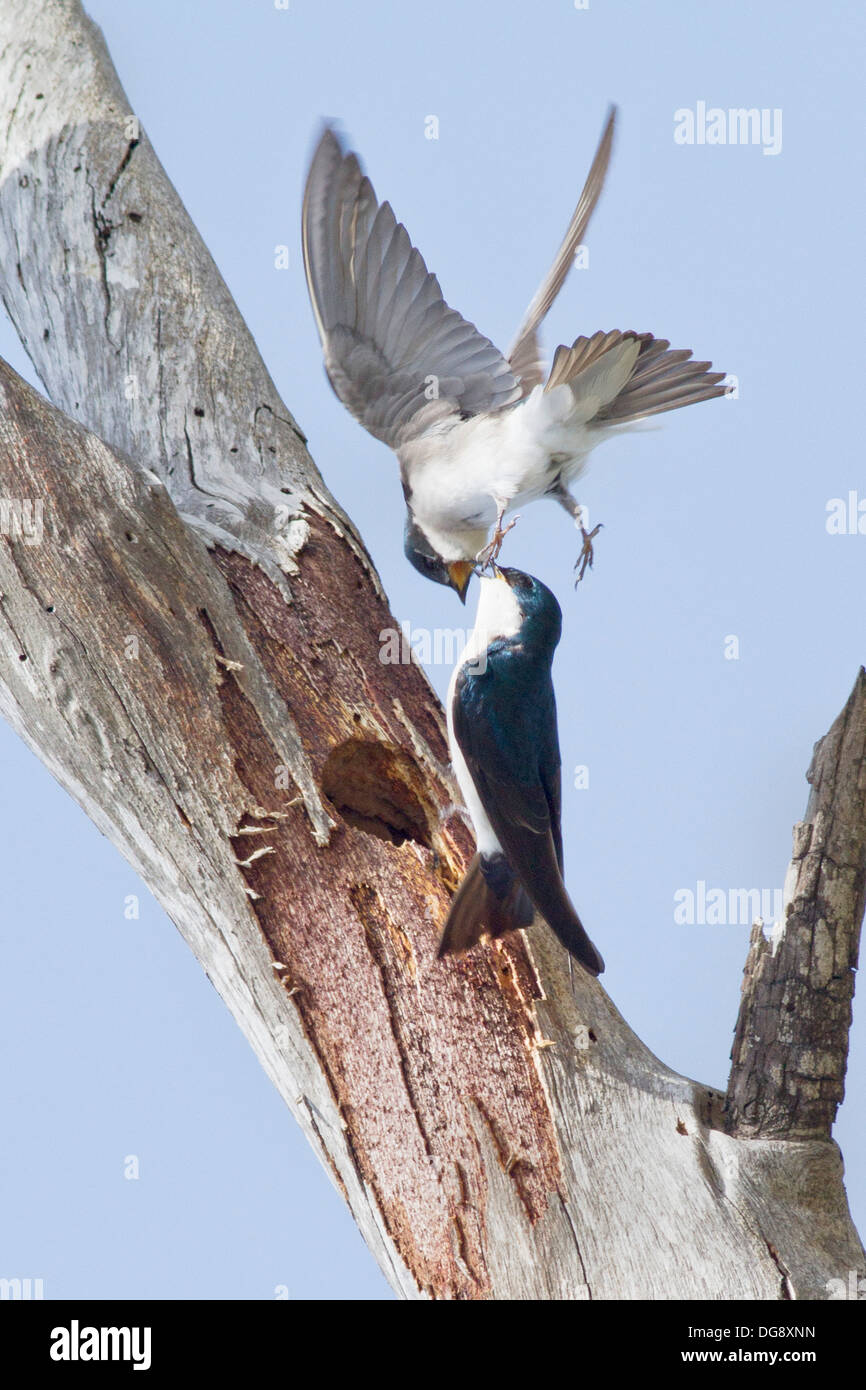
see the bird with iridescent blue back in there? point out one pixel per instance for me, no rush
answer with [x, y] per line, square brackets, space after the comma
[504, 742]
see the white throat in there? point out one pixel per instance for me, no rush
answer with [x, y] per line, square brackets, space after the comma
[498, 615]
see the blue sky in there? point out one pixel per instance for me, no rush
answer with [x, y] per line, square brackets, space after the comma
[715, 527]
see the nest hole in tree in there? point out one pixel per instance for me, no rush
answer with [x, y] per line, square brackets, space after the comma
[376, 787]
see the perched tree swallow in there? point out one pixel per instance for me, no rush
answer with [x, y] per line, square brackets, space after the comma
[476, 434]
[505, 754]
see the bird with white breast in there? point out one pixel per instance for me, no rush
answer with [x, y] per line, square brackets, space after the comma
[477, 433]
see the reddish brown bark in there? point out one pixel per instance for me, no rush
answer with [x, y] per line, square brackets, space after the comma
[410, 1045]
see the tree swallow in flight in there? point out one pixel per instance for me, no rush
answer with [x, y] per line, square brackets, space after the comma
[505, 754]
[476, 434]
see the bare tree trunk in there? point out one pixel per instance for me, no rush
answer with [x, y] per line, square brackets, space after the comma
[193, 650]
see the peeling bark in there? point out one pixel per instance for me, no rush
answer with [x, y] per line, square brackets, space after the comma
[791, 1044]
[193, 651]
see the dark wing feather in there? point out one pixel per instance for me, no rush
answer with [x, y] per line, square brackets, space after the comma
[508, 736]
[490, 899]
[385, 327]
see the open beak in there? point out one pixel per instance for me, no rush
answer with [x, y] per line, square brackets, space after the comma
[459, 575]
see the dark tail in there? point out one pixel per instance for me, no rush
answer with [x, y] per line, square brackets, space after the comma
[542, 881]
[565, 923]
[490, 899]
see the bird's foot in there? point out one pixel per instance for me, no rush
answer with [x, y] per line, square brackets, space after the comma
[490, 554]
[587, 555]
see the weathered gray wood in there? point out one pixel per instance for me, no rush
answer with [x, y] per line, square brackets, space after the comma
[478, 1160]
[791, 1044]
[100, 251]
[114, 633]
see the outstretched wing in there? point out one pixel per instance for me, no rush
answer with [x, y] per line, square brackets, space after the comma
[513, 760]
[394, 352]
[524, 357]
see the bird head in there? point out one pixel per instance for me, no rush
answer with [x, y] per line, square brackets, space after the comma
[540, 612]
[420, 553]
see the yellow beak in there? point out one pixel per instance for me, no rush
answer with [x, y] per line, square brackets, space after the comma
[460, 573]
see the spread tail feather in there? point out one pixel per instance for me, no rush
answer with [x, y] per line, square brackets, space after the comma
[663, 379]
[490, 899]
[620, 385]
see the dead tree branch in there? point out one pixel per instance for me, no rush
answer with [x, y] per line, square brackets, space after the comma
[791, 1044]
[193, 649]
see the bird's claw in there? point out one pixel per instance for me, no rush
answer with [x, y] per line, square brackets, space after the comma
[488, 556]
[586, 556]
